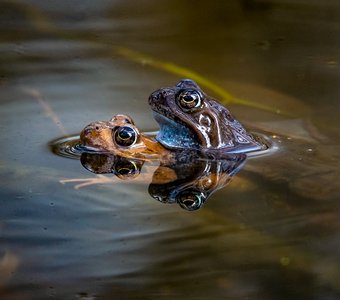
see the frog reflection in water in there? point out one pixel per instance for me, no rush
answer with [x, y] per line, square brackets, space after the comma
[188, 178]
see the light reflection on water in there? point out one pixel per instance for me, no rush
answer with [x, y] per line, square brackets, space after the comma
[271, 234]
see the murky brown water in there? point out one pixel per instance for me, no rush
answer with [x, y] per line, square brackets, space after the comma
[273, 233]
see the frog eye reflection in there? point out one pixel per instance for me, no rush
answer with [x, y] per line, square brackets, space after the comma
[126, 169]
[125, 136]
[189, 100]
[190, 199]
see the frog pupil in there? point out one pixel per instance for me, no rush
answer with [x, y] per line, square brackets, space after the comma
[125, 136]
[188, 98]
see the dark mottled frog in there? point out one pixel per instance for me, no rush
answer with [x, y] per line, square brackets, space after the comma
[190, 119]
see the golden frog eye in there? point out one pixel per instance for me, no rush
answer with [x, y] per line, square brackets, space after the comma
[126, 169]
[189, 100]
[125, 136]
[190, 199]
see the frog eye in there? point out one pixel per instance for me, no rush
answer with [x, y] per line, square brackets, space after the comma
[127, 169]
[189, 100]
[125, 136]
[190, 199]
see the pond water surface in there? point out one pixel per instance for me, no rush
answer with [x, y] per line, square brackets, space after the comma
[272, 233]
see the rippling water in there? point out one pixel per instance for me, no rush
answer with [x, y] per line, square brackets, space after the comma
[273, 233]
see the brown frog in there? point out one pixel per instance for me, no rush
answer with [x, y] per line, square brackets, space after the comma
[121, 137]
[190, 119]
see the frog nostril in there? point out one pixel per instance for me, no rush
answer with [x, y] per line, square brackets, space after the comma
[155, 97]
[160, 96]
[85, 135]
[86, 131]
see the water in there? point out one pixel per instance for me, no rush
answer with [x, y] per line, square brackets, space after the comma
[272, 233]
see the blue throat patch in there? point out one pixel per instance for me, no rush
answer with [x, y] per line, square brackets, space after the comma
[174, 135]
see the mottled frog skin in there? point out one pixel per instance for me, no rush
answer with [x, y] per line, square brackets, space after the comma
[190, 119]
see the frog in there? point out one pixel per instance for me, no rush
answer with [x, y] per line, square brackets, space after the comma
[120, 136]
[190, 119]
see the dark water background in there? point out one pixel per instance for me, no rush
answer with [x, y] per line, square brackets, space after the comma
[273, 233]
